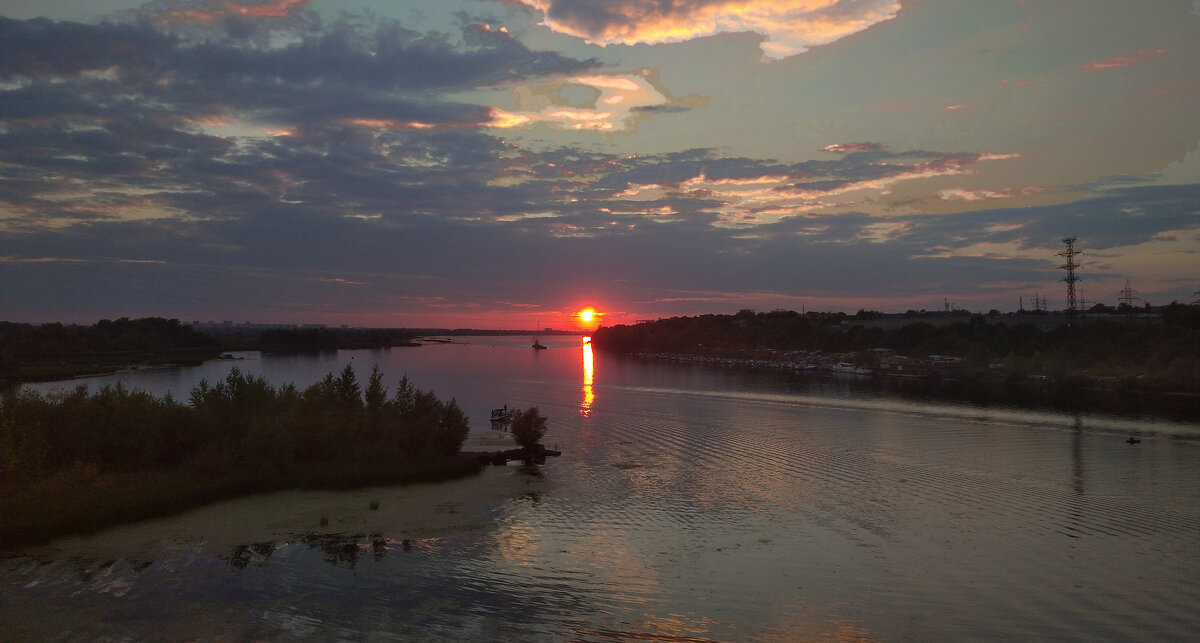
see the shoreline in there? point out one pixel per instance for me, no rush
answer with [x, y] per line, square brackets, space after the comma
[1105, 395]
[404, 512]
[81, 502]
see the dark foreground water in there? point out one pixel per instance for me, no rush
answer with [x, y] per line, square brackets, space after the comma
[690, 504]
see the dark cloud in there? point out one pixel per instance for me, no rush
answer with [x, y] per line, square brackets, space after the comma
[125, 105]
[1112, 219]
[340, 72]
[661, 109]
[41, 48]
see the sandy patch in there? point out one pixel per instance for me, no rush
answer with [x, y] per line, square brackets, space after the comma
[405, 512]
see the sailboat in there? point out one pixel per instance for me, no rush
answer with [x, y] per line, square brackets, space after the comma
[537, 344]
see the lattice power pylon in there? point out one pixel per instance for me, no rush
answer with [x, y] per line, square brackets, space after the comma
[1069, 254]
[1128, 296]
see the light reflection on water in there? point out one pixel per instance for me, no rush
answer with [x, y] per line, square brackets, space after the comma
[589, 368]
[693, 504]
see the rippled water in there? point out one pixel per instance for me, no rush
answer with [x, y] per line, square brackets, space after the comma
[696, 504]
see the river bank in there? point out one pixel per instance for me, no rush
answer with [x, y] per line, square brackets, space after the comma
[81, 501]
[222, 527]
[394, 512]
[946, 380]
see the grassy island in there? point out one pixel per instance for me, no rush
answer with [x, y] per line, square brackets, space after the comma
[78, 462]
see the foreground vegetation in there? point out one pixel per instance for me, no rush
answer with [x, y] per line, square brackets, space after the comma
[77, 462]
[1162, 356]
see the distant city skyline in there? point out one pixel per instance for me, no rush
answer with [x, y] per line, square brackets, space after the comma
[507, 163]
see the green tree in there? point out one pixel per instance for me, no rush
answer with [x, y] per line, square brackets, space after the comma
[528, 426]
[376, 393]
[451, 428]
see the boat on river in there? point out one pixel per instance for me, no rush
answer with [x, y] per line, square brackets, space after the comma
[502, 414]
[846, 367]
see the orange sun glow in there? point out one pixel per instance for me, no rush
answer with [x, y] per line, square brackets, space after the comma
[588, 315]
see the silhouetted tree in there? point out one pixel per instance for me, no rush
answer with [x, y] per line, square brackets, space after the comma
[528, 426]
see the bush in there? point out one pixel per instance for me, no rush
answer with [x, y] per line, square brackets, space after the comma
[240, 422]
[528, 426]
[75, 462]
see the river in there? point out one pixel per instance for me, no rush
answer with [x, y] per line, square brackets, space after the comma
[690, 504]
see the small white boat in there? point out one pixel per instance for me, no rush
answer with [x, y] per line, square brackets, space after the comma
[501, 414]
[846, 367]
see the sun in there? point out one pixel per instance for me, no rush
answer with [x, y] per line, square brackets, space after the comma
[587, 315]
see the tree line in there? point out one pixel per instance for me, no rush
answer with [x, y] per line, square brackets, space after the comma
[1163, 355]
[31, 352]
[146, 335]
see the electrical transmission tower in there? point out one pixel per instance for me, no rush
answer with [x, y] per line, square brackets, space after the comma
[1128, 297]
[1069, 254]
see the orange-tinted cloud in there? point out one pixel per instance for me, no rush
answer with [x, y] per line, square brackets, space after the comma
[1124, 61]
[276, 9]
[960, 194]
[790, 26]
[620, 101]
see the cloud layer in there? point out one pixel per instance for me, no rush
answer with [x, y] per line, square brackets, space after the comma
[351, 174]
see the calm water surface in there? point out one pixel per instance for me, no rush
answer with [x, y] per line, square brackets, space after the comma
[696, 504]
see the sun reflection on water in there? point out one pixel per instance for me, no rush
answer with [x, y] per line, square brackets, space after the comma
[585, 407]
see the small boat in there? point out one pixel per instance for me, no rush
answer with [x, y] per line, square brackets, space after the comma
[537, 342]
[501, 414]
[1133, 439]
[846, 367]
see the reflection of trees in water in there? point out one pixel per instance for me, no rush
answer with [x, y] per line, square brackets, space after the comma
[340, 550]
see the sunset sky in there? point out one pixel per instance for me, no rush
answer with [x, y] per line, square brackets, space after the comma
[504, 163]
